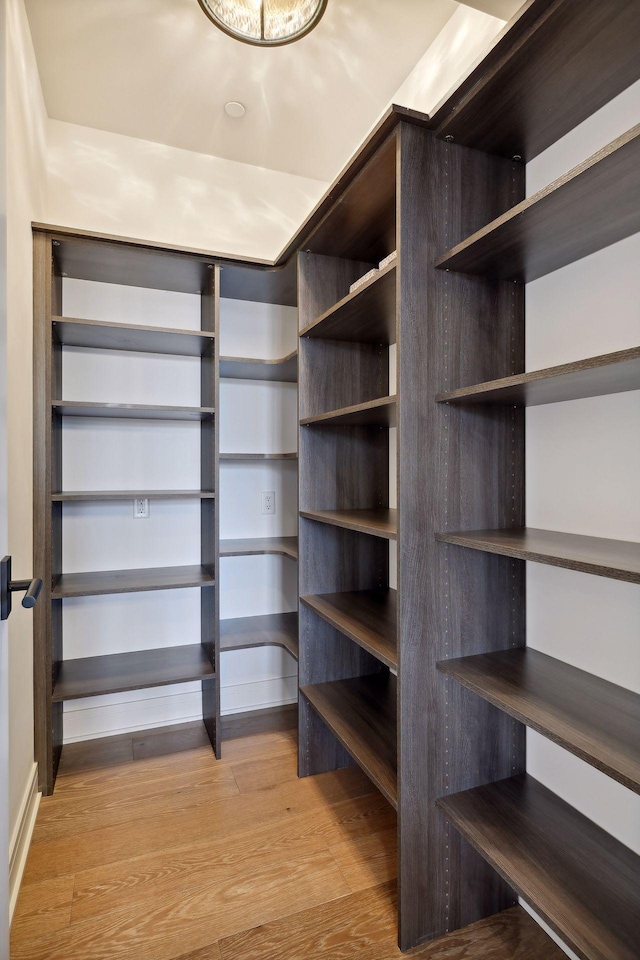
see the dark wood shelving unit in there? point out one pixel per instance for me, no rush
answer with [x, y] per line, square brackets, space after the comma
[285, 546]
[279, 288]
[538, 81]
[373, 413]
[368, 617]
[354, 630]
[268, 630]
[464, 231]
[258, 456]
[556, 63]
[596, 720]
[378, 522]
[100, 583]
[130, 411]
[582, 881]
[579, 213]
[616, 559]
[70, 496]
[58, 253]
[593, 377]
[119, 672]
[284, 370]
[97, 334]
[361, 713]
[366, 315]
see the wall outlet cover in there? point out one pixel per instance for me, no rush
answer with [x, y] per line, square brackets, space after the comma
[268, 502]
[140, 508]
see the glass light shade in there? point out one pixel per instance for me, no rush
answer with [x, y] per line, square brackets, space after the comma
[267, 23]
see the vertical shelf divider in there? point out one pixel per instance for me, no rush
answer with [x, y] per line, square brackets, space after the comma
[456, 467]
[47, 516]
[209, 509]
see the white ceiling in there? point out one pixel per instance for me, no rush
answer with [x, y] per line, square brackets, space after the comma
[159, 70]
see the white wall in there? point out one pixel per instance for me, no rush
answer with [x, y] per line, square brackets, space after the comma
[26, 119]
[583, 463]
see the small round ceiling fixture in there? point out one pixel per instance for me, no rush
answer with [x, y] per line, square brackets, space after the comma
[265, 23]
[235, 109]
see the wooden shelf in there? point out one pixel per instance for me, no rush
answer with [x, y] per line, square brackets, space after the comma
[130, 411]
[357, 220]
[117, 672]
[594, 377]
[381, 522]
[361, 713]
[258, 456]
[135, 337]
[368, 617]
[271, 630]
[85, 495]
[284, 370]
[374, 413]
[283, 546]
[539, 80]
[583, 211]
[366, 316]
[582, 882]
[616, 559]
[131, 581]
[596, 720]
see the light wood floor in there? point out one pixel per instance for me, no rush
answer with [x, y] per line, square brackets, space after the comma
[146, 854]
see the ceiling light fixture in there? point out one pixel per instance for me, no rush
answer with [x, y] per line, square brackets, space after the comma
[265, 23]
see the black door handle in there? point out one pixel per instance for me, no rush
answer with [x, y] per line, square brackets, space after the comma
[8, 586]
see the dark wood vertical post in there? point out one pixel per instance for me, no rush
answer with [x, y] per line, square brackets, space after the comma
[456, 469]
[47, 517]
[209, 509]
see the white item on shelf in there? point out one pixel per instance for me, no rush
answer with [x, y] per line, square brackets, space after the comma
[359, 282]
[387, 260]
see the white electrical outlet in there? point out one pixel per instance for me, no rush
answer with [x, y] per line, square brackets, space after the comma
[268, 502]
[140, 508]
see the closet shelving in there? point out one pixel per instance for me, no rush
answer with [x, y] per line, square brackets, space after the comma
[376, 521]
[258, 456]
[283, 546]
[59, 253]
[368, 617]
[376, 413]
[617, 559]
[284, 370]
[581, 212]
[87, 495]
[272, 629]
[130, 411]
[579, 878]
[359, 656]
[582, 881]
[593, 377]
[594, 719]
[276, 629]
[126, 336]
[361, 713]
[555, 63]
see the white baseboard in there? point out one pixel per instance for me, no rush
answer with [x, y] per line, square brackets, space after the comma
[556, 939]
[111, 716]
[21, 837]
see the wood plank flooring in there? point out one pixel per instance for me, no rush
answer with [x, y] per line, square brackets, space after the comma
[176, 856]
